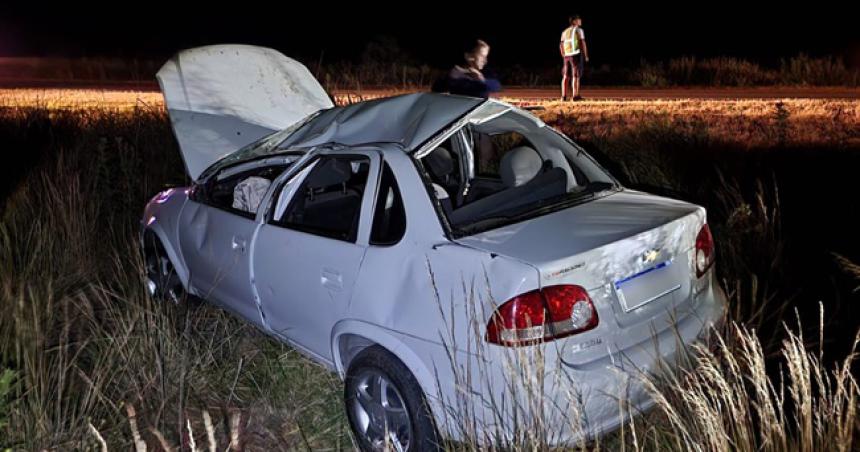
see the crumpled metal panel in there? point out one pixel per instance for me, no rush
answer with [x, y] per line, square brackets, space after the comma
[223, 97]
[408, 120]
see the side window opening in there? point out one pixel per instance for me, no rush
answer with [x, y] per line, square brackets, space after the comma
[240, 193]
[389, 216]
[328, 202]
[443, 166]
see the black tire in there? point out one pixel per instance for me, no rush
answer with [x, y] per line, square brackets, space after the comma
[375, 359]
[161, 279]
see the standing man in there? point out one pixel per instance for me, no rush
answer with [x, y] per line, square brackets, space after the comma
[574, 52]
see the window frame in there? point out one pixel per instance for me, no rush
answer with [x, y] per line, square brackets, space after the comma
[399, 193]
[361, 233]
[200, 190]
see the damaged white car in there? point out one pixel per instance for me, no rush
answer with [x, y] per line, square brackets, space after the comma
[403, 242]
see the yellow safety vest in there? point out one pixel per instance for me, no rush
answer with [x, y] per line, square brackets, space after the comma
[570, 41]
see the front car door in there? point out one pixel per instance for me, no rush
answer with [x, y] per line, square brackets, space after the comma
[217, 226]
[307, 254]
[214, 243]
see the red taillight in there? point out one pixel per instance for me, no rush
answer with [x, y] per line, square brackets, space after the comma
[538, 316]
[704, 257]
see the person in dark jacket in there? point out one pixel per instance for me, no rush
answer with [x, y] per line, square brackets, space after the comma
[468, 79]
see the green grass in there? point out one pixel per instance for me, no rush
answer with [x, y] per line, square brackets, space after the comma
[87, 356]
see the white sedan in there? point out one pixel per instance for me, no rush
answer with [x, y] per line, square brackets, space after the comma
[420, 245]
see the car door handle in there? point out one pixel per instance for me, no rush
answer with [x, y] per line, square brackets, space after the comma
[238, 244]
[331, 279]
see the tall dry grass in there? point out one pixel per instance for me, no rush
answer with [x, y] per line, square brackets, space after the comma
[734, 124]
[383, 63]
[85, 343]
[731, 400]
[737, 72]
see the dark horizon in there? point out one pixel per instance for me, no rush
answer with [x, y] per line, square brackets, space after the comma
[527, 37]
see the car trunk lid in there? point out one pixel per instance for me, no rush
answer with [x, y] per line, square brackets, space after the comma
[632, 251]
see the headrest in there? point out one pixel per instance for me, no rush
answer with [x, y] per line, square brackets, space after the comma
[440, 162]
[520, 165]
[333, 172]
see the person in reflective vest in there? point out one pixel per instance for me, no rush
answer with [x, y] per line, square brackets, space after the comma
[574, 54]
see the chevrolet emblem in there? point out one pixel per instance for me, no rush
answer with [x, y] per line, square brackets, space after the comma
[650, 256]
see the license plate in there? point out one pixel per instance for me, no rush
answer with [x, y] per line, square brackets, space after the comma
[646, 286]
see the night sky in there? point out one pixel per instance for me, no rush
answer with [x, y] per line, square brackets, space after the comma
[431, 32]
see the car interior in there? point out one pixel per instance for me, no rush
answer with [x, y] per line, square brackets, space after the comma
[240, 192]
[478, 173]
[443, 166]
[389, 218]
[328, 202]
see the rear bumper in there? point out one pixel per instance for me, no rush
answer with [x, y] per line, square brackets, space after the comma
[572, 403]
[613, 389]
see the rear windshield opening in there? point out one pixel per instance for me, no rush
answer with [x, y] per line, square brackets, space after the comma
[508, 169]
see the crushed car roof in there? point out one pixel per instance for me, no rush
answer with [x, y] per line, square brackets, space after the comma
[408, 120]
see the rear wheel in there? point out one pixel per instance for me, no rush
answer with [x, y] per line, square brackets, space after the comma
[161, 281]
[385, 405]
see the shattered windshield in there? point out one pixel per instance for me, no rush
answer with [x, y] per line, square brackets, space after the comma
[268, 145]
[508, 167]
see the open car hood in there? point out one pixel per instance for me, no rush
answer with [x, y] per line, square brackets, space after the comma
[223, 97]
